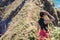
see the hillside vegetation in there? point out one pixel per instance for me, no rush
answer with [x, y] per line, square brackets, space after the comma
[21, 16]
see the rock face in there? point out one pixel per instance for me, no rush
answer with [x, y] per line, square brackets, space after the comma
[20, 20]
[58, 13]
[49, 6]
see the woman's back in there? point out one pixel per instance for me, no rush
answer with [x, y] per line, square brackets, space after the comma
[43, 26]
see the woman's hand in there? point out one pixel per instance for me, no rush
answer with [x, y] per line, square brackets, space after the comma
[47, 13]
[51, 18]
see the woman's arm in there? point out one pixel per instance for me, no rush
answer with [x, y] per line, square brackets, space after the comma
[51, 18]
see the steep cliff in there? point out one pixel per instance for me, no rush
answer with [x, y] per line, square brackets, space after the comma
[21, 19]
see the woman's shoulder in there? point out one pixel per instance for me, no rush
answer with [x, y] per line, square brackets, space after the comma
[41, 20]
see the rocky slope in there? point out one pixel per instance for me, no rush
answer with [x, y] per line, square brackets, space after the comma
[22, 17]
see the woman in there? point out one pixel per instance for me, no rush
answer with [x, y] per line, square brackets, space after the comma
[43, 25]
